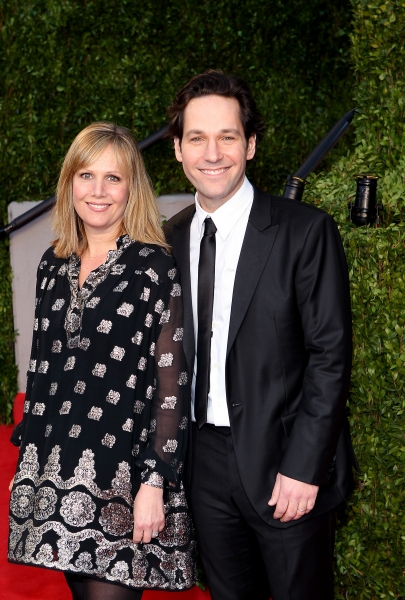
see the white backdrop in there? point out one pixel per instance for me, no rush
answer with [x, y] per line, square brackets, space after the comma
[27, 245]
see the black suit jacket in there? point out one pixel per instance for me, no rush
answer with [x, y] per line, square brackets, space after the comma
[289, 350]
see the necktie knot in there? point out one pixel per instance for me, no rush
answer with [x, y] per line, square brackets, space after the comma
[209, 226]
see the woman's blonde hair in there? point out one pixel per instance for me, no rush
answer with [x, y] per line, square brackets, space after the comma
[141, 220]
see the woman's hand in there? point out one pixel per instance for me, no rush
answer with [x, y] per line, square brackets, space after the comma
[10, 487]
[149, 514]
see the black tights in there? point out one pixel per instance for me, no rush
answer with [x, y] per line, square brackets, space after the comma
[85, 588]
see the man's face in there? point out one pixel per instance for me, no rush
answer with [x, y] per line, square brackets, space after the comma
[214, 149]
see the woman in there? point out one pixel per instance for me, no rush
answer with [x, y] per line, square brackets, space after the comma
[105, 420]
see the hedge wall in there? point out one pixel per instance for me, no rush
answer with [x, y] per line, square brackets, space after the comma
[371, 538]
[67, 63]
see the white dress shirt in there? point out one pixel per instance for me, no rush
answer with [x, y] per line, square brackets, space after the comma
[231, 220]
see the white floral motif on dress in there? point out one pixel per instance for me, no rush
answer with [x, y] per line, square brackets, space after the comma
[125, 309]
[121, 286]
[152, 349]
[137, 339]
[44, 324]
[165, 318]
[183, 423]
[84, 562]
[77, 509]
[75, 431]
[62, 269]
[65, 409]
[169, 402]
[142, 364]
[117, 353]
[43, 366]
[57, 305]
[70, 363]
[35, 324]
[145, 251]
[172, 273]
[92, 303]
[148, 320]
[108, 440]
[131, 383]
[56, 347]
[43, 283]
[38, 409]
[128, 425]
[166, 360]
[182, 378]
[22, 501]
[117, 269]
[51, 284]
[138, 407]
[95, 413]
[176, 290]
[105, 326]
[53, 388]
[153, 275]
[159, 306]
[32, 366]
[26, 406]
[45, 503]
[116, 519]
[149, 392]
[99, 370]
[48, 430]
[42, 264]
[84, 343]
[80, 387]
[178, 334]
[145, 294]
[113, 397]
[144, 435]
[171, 446]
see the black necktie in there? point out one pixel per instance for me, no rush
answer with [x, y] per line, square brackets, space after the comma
[205, 301]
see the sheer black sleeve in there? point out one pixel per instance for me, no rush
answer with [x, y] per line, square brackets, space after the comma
[163, 458]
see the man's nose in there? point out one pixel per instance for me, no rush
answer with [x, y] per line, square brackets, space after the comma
[212, 151]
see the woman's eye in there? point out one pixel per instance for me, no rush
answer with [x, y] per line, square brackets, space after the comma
[85, 175]
[113, 178]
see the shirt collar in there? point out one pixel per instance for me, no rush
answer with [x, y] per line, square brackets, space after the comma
[227, 215]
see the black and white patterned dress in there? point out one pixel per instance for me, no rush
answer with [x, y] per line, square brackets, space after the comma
[106, 408]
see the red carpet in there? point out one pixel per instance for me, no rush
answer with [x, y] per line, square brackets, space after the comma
[23, 583]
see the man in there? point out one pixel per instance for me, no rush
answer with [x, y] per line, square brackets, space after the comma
[267, 337]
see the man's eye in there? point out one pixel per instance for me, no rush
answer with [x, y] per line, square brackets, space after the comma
[228, 138]
[196, 139]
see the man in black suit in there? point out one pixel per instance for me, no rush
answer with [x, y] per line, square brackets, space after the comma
[267, 337]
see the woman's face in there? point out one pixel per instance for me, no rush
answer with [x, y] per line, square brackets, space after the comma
[100, 194]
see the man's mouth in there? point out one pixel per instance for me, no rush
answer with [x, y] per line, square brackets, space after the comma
[214, 171]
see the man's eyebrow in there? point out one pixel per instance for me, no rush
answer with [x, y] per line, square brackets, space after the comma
[200, 131]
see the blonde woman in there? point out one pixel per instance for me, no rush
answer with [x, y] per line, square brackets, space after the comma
[96, 492]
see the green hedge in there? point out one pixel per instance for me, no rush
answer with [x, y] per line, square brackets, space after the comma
[370, 546]
[67, 63]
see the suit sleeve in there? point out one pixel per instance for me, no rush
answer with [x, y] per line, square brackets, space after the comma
[323, 298]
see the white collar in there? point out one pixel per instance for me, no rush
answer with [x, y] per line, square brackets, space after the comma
[227, 215]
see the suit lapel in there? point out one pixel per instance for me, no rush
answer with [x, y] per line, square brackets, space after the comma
[181, 249]
[256, 248]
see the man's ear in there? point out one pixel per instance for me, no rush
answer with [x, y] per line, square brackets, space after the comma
[251, 147]
[177, 149]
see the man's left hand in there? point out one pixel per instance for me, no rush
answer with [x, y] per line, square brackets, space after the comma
[293, 499]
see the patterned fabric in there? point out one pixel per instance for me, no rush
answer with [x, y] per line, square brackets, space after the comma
[106, 409]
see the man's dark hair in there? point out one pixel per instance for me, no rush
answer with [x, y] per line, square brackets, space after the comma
[215, 82]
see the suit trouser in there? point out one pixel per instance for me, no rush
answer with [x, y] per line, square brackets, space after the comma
[243, 557]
